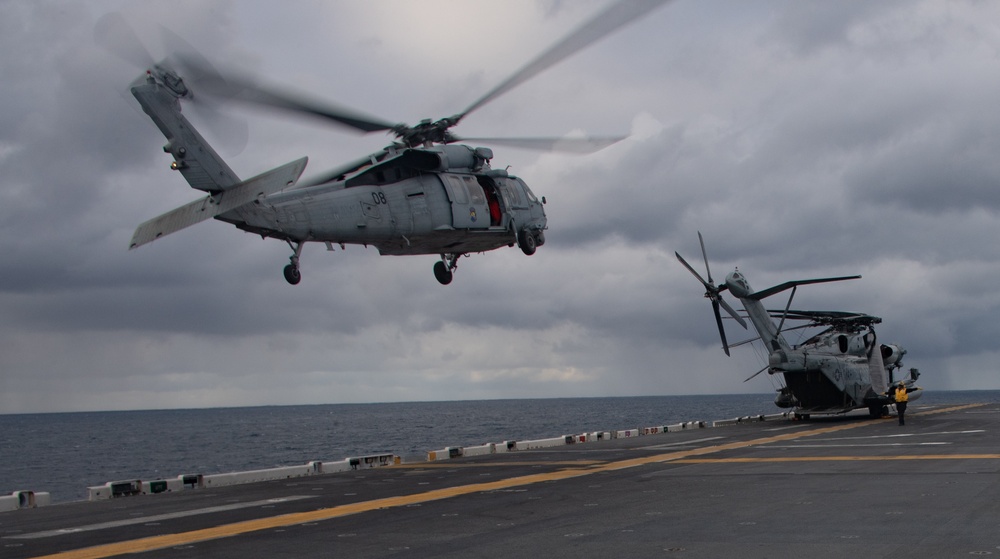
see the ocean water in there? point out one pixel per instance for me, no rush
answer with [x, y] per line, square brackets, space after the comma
[64, 453]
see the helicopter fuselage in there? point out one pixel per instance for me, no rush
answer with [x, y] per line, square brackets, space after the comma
[837, 370]
[424, 213]
[429, 199]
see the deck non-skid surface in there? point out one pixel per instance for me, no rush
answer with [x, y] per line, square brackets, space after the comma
[834, 487]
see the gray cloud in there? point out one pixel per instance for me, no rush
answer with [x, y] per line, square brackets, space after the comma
[803, 140]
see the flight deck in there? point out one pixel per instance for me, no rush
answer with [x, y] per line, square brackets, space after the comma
[827, 487]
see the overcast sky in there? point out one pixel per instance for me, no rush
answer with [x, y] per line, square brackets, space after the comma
[803, 139]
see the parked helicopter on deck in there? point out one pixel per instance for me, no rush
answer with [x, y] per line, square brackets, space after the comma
[839, 369]
[425, 193]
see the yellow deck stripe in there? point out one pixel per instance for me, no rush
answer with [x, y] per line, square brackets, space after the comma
[840, 458]
[237, 528]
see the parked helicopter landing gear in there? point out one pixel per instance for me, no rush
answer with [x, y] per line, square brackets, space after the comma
[444, 269]
[291, 271]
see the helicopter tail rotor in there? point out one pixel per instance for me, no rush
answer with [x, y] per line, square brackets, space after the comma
[183, 71]
[714, 294]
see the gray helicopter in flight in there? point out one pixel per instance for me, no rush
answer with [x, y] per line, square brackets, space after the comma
[839, 369]
[425, 193]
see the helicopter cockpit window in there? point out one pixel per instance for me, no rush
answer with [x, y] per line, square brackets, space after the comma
[512, 194]
[527, 191]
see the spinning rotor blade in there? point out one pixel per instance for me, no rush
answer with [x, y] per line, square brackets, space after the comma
[197, 72]
[240, 88]
[336, 173]
[615, 16]
[565, 145]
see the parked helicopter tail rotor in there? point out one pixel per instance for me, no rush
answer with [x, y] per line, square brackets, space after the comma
[714, 294]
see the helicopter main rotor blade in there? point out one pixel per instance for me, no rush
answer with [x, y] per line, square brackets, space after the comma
[565, 145]
[704, 255]
[614, 17]
[732, 312]
[718, 321]
[757, 373]
[790, 284]
[241, 88]
[340, 171]
[692, 270]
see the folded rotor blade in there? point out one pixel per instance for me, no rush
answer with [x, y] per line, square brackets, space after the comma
[704, 255]
[614, 17]
[565, 145]
[757, 373]
[692, 270]
[732, 312]
[790, 284]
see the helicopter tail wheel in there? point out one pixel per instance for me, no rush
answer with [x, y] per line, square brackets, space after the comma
[291, 271]
[527, 241]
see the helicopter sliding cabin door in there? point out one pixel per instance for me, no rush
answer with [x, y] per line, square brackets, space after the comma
[469, 205]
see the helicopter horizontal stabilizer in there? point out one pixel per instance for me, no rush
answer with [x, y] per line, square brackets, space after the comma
[210, 206]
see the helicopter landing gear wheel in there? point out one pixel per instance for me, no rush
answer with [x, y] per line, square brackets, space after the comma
[444, 269]
[442, 273]
[292, 274]
[527, 241]
[291, 271]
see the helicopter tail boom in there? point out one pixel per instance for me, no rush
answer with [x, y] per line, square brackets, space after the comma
[210, 206]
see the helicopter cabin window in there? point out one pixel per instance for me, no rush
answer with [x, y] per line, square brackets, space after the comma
[475, 191]
[457, 189]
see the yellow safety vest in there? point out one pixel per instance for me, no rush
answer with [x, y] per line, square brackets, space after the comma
[901, 395]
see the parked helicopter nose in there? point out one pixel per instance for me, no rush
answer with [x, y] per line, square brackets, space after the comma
[737, 284]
